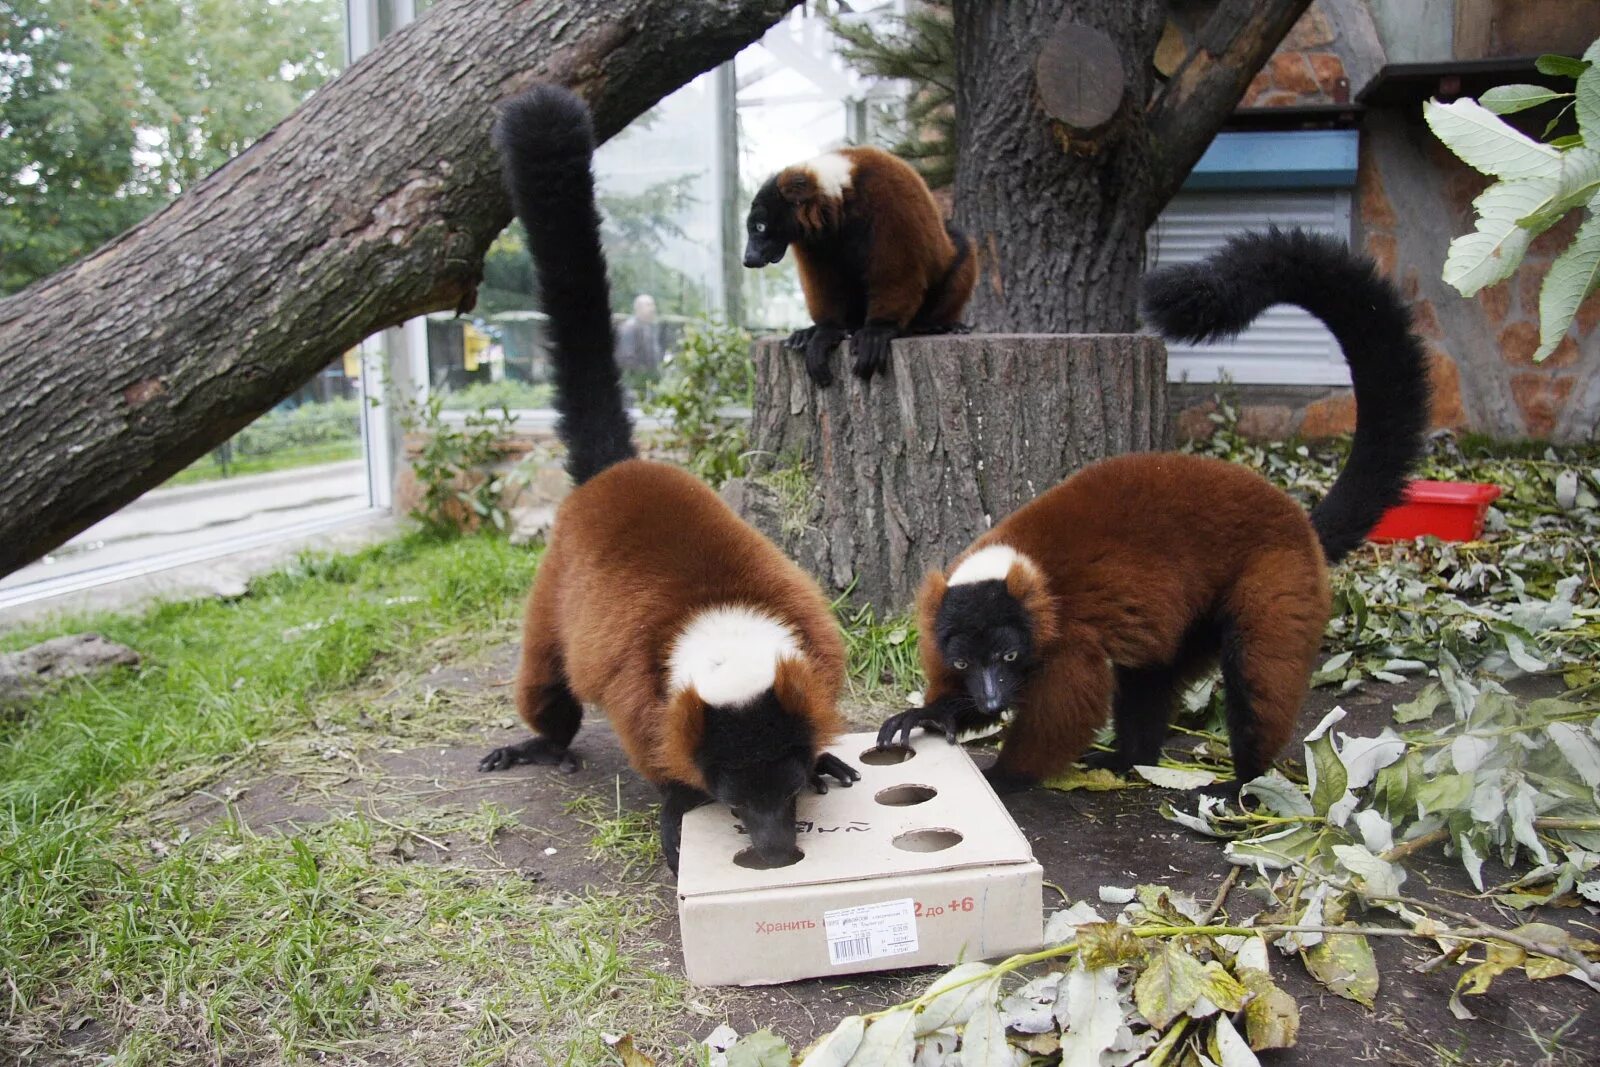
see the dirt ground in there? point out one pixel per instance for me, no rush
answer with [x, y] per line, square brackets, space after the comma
[1083, 840]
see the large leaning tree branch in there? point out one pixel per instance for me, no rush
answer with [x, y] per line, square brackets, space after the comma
[1236, 40]
[372, 203]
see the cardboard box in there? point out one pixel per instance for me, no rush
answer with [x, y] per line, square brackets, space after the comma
[918, 863]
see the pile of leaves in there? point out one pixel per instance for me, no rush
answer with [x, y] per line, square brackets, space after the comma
[1525, 599]
[1508, 787]
[1172, 980]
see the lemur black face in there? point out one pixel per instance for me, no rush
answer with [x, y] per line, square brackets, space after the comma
[767, 227]
[756, 760]
[985, 636]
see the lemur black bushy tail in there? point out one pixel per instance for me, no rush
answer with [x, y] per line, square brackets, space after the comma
[546, 145]
[1222, 295]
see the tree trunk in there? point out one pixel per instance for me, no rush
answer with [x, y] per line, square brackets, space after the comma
[1058, 174]
[870, 484]
[374, 202]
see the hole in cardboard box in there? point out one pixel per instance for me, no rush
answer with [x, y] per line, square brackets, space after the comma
[750, 859]
[903, 796]
[932, 840]
[886, 755]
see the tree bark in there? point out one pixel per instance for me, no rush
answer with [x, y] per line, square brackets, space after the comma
[868, 484]
[372, 203]
[1058, 213]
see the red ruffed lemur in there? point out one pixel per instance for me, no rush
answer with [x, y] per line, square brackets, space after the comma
[1116, 587]
[717, 660]
[876, 258]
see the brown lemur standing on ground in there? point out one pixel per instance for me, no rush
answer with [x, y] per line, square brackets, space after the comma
[717, 660]
[1110, 591]
[875, 256]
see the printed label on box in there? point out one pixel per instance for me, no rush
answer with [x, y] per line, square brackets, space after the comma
[871, 931]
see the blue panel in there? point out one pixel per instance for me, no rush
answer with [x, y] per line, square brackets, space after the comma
[1291, 159]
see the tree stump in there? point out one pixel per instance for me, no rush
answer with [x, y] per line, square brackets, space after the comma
[868, 484]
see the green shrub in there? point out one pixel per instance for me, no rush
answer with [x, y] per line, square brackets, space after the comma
[507, 393]
[706, 374]
[329, 422]
[461, 488]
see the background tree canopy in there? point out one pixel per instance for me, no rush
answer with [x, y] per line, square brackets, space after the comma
[920, 48]
[633, 231]
[109, 108]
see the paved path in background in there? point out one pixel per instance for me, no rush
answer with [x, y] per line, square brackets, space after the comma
[190, 516]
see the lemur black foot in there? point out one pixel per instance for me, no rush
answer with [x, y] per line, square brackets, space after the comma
[1004, 782]
[1109, 761]
[799, 339]
[1228, 790]
[831, 766]
[533, 750]
[871, 347]
[820, 344]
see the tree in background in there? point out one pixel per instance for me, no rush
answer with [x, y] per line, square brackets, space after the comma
[1072, 130]
[634, 229]
[919, 48]
[109, 108]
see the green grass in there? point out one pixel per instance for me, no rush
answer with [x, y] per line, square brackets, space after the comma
[182, 942]
[221, 675]
[209, 470]
[234, 944]
[224, 944]
[631, 838]
[883, 654]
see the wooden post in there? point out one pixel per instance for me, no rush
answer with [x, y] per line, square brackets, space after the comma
[874, 482]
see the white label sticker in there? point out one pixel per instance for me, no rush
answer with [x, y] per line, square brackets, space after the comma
[871, 931]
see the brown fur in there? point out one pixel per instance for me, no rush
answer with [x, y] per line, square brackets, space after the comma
[1141, 561]
[909, 254]
[634, 554]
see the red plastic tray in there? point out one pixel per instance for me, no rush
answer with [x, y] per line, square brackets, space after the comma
[1450, 511]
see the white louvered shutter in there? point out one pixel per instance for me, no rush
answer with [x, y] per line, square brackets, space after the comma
[1286, 346]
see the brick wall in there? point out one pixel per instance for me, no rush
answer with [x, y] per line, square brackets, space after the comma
[1412, 196]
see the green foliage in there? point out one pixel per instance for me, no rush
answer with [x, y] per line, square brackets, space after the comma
[205, 941]
[882, 654]
[506, 393]
[1539, 184]
[109, 107]
[210, 468]
[920, 48]
[457, 467]
[634, 230]
[330, 422]
[706, 375]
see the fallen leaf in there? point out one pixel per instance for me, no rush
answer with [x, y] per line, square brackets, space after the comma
[1169, 985]
[1344, 963]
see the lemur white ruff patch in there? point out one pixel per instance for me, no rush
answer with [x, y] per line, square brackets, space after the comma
[730, 654]
[989, 564]
[833, 172]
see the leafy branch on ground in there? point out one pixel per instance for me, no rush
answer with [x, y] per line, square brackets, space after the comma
[1467, 767]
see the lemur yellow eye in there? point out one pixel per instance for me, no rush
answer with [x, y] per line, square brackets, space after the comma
[959, 664]
[1009, 657]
